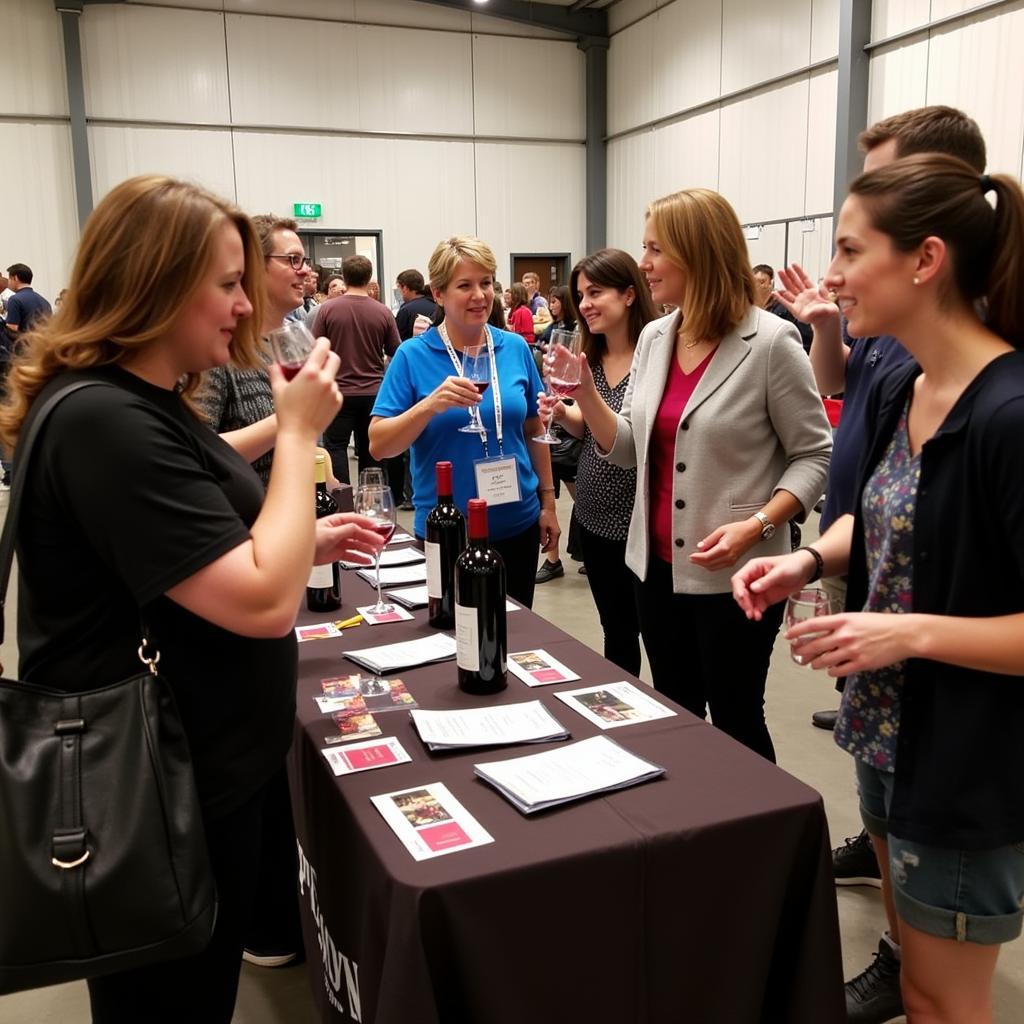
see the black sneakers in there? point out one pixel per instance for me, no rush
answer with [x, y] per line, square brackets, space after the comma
[550, 571]
[873, 997]
[825, 719]
[854, 862]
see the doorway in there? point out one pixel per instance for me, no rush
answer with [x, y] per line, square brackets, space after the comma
[326, 249]
[551, 268]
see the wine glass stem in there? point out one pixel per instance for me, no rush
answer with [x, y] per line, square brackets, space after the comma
[380, 599]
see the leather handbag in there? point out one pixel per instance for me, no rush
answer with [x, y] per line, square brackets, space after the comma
[103, 859]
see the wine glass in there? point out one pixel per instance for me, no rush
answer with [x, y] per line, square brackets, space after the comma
[291, 344]
[806, 604]
[476, 368]
[372, 476]
[376, 503]
[562, 373]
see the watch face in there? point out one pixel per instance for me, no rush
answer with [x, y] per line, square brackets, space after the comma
[768, 532]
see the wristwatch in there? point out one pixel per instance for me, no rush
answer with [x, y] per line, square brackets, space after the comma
[767, 526]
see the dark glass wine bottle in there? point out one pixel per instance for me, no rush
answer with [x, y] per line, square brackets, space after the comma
[446, 537]
[323, 588]
[480, 632]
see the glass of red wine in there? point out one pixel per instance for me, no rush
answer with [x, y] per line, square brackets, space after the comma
[291, 343]
[476, 368]
[376, 503]
[562, 373]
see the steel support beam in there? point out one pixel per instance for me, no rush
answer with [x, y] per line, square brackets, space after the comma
[562, 19]
[596, 53]
[852, 93]
[70, 12]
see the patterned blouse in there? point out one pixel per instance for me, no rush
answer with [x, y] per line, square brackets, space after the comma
[869, 716]
[604, 493]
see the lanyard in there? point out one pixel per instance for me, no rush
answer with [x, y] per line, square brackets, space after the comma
[495, 390]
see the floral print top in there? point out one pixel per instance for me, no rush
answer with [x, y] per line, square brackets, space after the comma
[869, 716]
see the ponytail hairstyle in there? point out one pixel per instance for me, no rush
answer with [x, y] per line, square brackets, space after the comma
[934, 194]
[145, 249]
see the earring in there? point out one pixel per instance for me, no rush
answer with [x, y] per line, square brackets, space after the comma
[917, 280]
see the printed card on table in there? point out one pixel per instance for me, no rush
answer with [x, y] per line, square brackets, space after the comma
[372, 618]
[386, 695]
[337, 693]
[364, 756]
[430, 822]
[614, 704]
[318, 631]
[354, 722]
[538, 668]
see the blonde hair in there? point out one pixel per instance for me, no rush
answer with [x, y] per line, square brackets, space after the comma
[144, 250]
[451, 252]
[699, 231]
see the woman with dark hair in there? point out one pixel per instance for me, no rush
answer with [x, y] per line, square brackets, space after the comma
[563, 317]
[145, 515]
[520, 319]
[932, 646]
[613, 305]
[723, 422]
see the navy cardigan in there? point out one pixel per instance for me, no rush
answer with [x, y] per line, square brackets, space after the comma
[959, 779]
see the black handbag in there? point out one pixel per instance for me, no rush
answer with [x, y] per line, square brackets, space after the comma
[103, 859]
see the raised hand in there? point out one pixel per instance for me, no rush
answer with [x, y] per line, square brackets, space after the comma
[807, 301]
[454, 393]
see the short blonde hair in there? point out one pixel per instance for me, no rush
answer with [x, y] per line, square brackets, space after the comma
[144, 250]
[451, 252]
[699, 231]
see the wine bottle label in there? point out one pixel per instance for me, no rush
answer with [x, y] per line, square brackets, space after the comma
[433, 553]
[467, 639]
[321, 577]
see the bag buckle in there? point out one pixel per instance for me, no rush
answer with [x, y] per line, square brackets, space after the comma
[66, 843]
[150, 661]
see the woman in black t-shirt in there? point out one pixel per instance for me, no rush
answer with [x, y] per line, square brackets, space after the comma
[136, 512]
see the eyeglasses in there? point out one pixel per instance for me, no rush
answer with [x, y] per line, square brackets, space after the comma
[297, 260]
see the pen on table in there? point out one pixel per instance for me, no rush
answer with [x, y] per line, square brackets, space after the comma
[349, 623]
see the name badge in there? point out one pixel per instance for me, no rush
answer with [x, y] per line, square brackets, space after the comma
[497, 481]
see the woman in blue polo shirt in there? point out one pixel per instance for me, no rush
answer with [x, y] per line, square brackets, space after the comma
[424, 399]
[933, 647]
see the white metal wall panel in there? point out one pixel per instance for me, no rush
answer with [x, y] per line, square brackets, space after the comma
[151, 63]
[752, 176]
[812, 249]
[32, 69]
[824, 29]
[769, 246]
[40, 228]
[687, 55]
[122, 152]
[528, 88]
[891, 16]
[821, 141]
[630, 189]
[503, 27]
[406, 12]
[897, 79]
[631, 77]
[977, 67]
[625, 12]
[510, 219]
[686, 155]
[761, 41]
[417, 192]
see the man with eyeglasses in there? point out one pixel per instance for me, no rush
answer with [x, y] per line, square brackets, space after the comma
[362, 332]
[301, 265]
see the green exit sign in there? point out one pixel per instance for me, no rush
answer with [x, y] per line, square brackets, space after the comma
[308, 210]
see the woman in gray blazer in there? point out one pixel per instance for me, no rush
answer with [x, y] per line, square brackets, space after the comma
[729, 436]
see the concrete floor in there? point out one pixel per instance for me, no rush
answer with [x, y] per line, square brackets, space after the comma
[282, 996]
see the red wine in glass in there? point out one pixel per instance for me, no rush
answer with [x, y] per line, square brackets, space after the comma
[562, 388]
[481, 385]
[385, 529]
[290, 369]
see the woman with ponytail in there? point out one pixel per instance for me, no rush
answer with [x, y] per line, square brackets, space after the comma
[932, 646]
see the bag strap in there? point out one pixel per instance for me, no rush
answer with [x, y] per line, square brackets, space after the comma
[19, 482]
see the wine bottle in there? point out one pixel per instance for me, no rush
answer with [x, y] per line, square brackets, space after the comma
[323, 588]
[446, 537]
[480, 633]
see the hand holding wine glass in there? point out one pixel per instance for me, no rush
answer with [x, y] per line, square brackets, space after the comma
[805, 604]
[377, 504]
[291, 344]
[310, 401]
[476, 368]
[562, 373]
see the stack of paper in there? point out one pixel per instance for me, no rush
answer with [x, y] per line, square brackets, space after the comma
[411, 597]
[529, 722]
[614, 704]
[397, 575]
[538, 781]
[390, 557]
[392, 657]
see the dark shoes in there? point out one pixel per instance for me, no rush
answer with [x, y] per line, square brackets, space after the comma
[873, 997]
[854, 863]
[550, 571]
[407, 506]
[824, 719]
[269, 957]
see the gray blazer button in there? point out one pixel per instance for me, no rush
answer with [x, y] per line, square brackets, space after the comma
[684, 425]
[679, 542]
[681, 467]
[680, 503]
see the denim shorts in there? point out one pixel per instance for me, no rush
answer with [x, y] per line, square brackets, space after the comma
[967, 895]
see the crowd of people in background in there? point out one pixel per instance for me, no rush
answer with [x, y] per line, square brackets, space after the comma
[695, 443]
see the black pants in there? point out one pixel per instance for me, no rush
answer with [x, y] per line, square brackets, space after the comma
[198, 989]
[520, 556]
[705, 653]
[353, 418]
[614, 590]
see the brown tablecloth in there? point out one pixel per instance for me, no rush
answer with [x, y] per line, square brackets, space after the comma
[704, 896]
